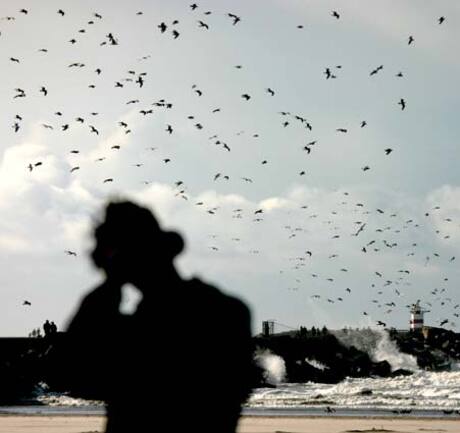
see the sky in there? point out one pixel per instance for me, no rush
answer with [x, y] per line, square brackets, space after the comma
[285, 199]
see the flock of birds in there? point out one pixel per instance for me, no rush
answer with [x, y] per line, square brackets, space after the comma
[372, 230]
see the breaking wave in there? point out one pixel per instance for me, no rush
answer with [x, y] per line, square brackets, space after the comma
[422, 391]
[45, 397]
[273, 365]
[379, 346]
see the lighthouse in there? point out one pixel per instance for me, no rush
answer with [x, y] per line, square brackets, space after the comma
[416, 317]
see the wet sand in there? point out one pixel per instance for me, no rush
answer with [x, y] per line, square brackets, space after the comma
[349, 425]
[93, 424]
[51, 424]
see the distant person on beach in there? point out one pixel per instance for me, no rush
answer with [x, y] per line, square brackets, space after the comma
[182, 361]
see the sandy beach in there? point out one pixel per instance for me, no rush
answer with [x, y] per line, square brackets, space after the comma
[94, 424]
[336, 425]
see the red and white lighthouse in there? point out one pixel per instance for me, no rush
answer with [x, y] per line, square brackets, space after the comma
[416, 317]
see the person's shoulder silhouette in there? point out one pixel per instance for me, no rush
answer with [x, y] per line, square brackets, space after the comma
[187, 346]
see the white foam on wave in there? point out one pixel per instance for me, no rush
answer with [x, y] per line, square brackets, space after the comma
[44, 396]
[423, 390]
[57, 399]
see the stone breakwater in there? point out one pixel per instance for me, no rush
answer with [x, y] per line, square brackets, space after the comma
[303, 356]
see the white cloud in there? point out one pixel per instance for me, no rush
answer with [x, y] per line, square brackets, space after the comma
[260, 257]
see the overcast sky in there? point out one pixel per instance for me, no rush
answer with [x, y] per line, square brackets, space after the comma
[312, 201]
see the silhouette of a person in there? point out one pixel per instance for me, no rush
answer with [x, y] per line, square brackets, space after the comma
[183, 358]
[53, 328]
[47, 328]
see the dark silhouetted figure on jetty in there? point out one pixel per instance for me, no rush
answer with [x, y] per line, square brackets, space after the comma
[53, 328]
[47, 328]
[183, 358]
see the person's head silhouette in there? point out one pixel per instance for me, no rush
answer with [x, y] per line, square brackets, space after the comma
[130, 245]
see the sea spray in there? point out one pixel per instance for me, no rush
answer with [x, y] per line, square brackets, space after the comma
[387, 350]
[379, 346]
[316, 364]
[273, 366]
[455, 366]
[364, 340]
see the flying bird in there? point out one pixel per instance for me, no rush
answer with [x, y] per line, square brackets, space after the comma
[376, 70]
[236, 19]
[140, 81]
[112, 39]
[361, 228]
[37, 164]
[203, 24]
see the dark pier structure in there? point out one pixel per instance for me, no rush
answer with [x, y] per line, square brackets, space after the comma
[24, 362]
[314, 354]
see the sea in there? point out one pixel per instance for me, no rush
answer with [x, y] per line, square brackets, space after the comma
[425, 394]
